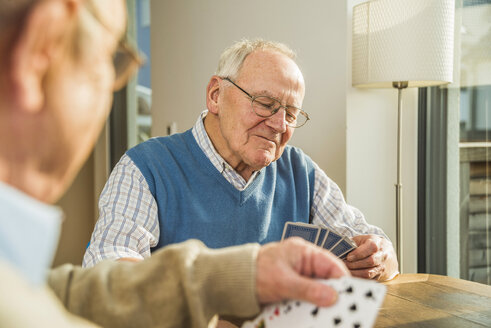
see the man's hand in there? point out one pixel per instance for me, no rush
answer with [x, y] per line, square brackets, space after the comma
[285, 271]
[374, 258]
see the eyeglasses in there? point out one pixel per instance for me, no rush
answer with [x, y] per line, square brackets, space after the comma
[264, 106]
[126, 59]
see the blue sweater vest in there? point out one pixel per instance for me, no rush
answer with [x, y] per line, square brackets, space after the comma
[196, 202]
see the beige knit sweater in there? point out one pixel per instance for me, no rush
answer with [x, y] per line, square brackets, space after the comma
[183, 285]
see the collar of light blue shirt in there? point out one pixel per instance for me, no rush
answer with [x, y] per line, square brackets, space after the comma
[29, 232]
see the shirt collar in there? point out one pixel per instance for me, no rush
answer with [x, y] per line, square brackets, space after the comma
[204, 142]
[29, 233]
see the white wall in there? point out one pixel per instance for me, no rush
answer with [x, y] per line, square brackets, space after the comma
[352, 132]
[79, 207]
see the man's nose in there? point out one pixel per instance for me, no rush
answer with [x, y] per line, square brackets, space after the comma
[278, 120]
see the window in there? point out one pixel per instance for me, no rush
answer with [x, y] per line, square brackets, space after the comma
[130, 120]
[454, 170]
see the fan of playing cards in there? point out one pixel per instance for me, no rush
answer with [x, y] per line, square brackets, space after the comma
[323, 237]
[357, 306]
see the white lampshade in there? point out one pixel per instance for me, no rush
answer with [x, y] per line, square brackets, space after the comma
[475, 38]
[403, 40]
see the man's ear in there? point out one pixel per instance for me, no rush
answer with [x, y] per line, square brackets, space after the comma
[212, 93]
[40, 39]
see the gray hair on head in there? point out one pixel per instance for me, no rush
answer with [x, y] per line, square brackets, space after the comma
[11, 12]
[11, 9]
[12, 5]
[233, 57]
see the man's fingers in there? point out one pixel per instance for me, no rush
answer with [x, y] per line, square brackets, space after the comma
[286, 270]
[368, 262]
[313, 261]
[312, 291]
[317, 263]
[129, 259]
[367, 248]
[322, 265]
[381, 265]
[368, 273]
[325, 265]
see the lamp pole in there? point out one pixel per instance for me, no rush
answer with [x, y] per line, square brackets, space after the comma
[399, 86]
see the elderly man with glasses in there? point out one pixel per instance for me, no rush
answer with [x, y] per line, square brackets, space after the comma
[232, 178]
[60, 61]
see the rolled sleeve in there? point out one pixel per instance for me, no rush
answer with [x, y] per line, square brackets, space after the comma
[181, 285]
[330, 209]
[128, 224]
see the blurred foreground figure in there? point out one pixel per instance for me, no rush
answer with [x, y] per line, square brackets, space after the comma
[57, 77]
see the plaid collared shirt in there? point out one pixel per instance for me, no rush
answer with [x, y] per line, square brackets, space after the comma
[128, 224]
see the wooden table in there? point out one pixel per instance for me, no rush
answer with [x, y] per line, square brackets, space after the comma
[426, 300]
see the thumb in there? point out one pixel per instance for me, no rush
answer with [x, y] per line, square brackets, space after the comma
[312, 291]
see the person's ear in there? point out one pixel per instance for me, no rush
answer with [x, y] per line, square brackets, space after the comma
[39, 42]
[212, 93]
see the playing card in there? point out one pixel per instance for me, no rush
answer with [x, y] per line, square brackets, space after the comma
[322, 236]
[332, 239]
[284, 314]
[306, 231]
[358, 303]
[345, 255]
[357, 306]
[344, 246]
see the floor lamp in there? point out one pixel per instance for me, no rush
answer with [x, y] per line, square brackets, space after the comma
[401, 44]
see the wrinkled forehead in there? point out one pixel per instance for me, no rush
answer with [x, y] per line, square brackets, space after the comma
[273, 71]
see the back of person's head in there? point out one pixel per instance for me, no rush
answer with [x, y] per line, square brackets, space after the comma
[233, 57]
[11, 11]
[58, 77]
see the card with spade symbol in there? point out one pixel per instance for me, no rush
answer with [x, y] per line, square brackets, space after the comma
[357, 306]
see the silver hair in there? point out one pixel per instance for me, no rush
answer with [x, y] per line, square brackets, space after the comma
[14, 5]
[11, 9]
[233, 57]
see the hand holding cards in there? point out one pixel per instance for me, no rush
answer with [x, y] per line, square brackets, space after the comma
[339, 245]
[357, 306]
